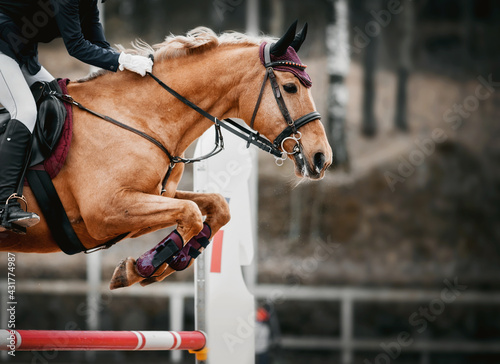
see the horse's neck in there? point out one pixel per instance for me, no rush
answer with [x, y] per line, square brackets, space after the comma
[202, 80]
[212, 80]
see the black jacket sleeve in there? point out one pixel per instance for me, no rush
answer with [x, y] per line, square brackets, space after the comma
[92, 29]
[91, 47]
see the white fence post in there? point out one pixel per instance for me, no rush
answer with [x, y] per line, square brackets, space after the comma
[229, 306]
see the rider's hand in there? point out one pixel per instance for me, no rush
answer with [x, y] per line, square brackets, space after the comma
[135, 63]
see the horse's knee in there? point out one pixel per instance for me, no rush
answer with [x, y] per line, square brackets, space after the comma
[219, 209]
[192, 219]
[223, 210]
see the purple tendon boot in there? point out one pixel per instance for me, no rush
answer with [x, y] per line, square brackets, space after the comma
[149, 262]
[192, 249]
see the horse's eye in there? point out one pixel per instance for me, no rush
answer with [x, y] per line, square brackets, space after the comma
[290, 88]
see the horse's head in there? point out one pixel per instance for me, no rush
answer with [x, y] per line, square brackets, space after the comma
[285, 112]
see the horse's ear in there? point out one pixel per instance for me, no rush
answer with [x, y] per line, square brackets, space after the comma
[299, 39]
[279, 48]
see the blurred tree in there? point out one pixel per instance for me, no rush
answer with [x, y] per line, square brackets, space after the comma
[141, 16]
[337, 44]
[468, 31]
[301, 202]
[407, 26]
[338, 60]
[370, 34]
[277, 24]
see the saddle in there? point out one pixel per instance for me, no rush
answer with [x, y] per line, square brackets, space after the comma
[50, 126]
[51, 142]
[50, 121]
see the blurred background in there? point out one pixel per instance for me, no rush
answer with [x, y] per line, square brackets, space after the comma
[399, 245]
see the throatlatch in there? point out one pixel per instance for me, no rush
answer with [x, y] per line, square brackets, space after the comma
[171, 251]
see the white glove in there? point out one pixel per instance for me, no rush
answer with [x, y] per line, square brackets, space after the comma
[134, 63]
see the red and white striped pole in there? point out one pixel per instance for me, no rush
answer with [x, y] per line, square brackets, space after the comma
[24, 340]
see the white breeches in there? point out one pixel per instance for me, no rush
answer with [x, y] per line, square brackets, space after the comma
[15, 93]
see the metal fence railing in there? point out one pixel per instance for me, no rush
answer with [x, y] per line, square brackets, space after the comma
[346, 344]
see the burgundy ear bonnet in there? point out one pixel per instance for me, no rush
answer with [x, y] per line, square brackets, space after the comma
[291, 63]
[284, 56]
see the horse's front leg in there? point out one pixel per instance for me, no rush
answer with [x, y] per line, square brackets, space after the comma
[133, 211]
[216, 210]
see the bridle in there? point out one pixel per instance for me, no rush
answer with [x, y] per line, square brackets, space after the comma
[291, 131]
[276, 148]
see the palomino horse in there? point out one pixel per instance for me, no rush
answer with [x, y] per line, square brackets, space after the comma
[111, 183]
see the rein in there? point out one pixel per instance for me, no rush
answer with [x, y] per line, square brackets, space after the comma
[276, 148]
[251, 137]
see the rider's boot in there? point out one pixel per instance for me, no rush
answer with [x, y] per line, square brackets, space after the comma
[15, 145]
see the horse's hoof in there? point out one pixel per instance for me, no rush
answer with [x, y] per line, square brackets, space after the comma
[125, 274]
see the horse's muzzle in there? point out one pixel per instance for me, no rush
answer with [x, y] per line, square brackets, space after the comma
[313, 169]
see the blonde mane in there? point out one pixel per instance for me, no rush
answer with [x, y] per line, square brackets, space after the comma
[195, 41]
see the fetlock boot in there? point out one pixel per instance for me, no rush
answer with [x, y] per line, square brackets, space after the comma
[164, 252]
[192, 249]
[15, 145]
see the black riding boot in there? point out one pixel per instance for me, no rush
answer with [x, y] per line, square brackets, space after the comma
[15, 144]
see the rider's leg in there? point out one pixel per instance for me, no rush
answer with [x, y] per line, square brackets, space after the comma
[15, 94]
[43, 75]
[16, 97]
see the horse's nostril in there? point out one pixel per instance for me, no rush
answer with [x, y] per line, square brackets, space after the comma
[319, 162]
